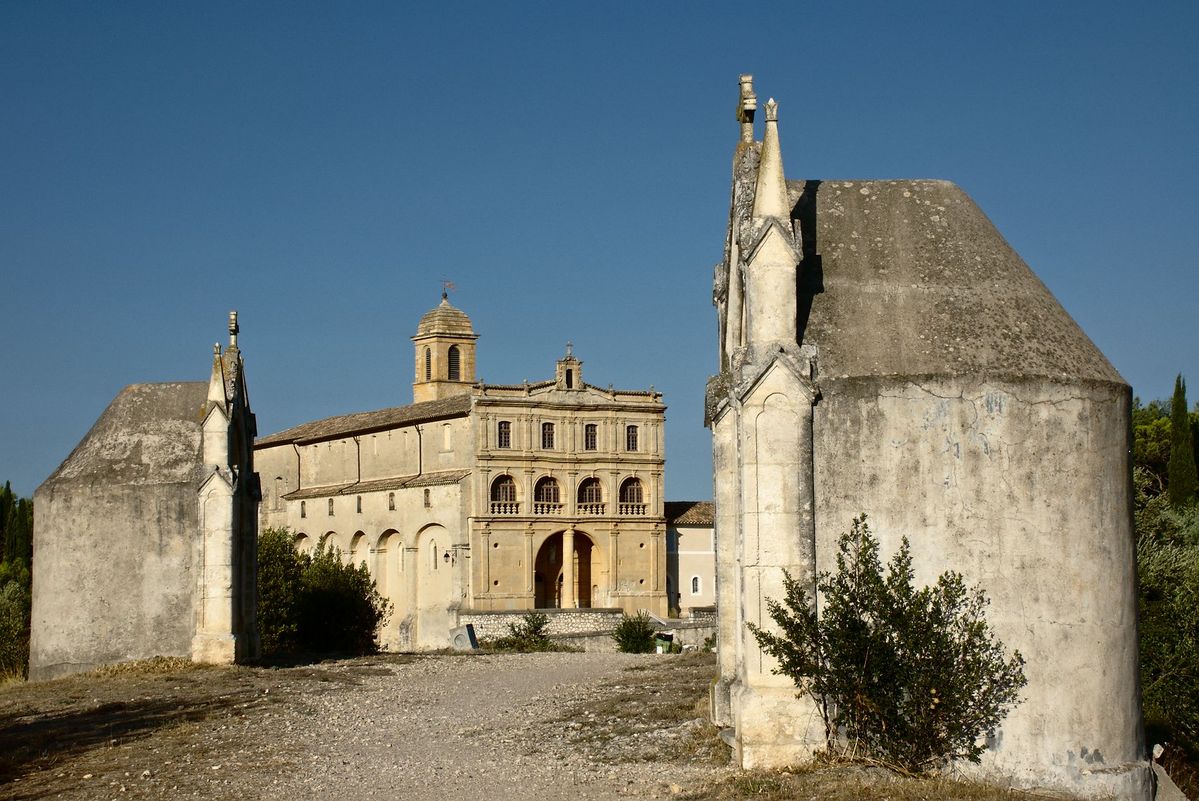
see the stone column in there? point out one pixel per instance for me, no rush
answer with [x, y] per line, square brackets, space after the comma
[568, 570]
[529, 578]
[614, 564]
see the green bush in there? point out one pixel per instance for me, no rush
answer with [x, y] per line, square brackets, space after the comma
[910, 678]
[315, 603]
[14, 620]
[634, 635]
[527, 636]
[280, 578]
[1168, 570]
[339, 609]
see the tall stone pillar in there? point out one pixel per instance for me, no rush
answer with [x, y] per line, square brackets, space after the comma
[568, 569]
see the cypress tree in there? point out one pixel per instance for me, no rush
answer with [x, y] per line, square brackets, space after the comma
[7, 504]
[1182, 474]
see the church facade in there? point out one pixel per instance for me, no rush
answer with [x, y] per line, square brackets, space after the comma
[883, 350]
[481, 497]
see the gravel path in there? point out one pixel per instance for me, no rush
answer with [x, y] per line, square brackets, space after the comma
[486, 728]
[397, 727]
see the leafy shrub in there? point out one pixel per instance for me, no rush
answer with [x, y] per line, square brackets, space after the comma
[315, 603]
[339, 608]
[14, 620]
[1168, 569]
[634, 635]
[280, 577]
[527, 636]
[907, 677]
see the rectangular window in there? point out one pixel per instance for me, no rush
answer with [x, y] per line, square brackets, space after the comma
[589, 437]
[358, 504]
[330, 507]
[503, 434]
[630, 438]
[547, 436]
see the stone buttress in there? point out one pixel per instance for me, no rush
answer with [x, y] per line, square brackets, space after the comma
[761, 417]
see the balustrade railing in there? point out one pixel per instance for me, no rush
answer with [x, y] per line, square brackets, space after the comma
[632, 508]
[505, 507]
[591, 508]
[545, 508]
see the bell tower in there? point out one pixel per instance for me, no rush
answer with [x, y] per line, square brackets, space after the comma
[445, 353]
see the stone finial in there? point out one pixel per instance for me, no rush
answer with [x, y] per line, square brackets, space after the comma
[233, 329]
[570, 350]
[747, 103]
[772, 111]
[770, 193]
[216, 349]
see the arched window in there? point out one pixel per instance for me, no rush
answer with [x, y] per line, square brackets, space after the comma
[330, 507]
[503, 489]
[695, 585]
[455, 363]
[591, 497]
[632, 499]
[428, 364]
[546, 491]
[303, 509]
[428, 501]
[630, 438]
[391, 501]
[503, 496]
[591, 491]
[358, 504]
[546, 499]
[547, 436]
[630, 491]
[590, 437]
[503, 434]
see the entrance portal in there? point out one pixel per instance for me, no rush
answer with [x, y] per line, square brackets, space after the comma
[559, 585]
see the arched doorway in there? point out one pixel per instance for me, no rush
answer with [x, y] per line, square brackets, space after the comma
[549, 577]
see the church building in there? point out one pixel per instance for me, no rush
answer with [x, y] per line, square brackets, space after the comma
[480, 498]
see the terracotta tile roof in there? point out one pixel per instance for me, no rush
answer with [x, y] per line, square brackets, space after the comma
[365, 422]
[690, 513]
[438, 479]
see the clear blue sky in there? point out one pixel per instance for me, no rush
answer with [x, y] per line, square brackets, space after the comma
[321, 168]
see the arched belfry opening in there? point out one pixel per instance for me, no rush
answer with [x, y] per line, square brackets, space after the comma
[565, 574]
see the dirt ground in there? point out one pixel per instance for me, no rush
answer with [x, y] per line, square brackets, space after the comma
[549, 726]
[390, 726]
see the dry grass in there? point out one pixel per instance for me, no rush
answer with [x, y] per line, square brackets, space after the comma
[656, 712]
[852, 783]
[659, 712]
[164, 718]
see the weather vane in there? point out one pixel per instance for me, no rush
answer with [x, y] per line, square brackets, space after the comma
[447, 286]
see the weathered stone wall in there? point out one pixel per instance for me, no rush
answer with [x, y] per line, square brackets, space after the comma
[1022, 486]
[491, 625]
[111, 582]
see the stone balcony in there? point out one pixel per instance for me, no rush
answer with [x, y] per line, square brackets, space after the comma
[512, 509]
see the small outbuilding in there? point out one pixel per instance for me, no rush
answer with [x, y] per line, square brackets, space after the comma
[145, 538]
[884, 350]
